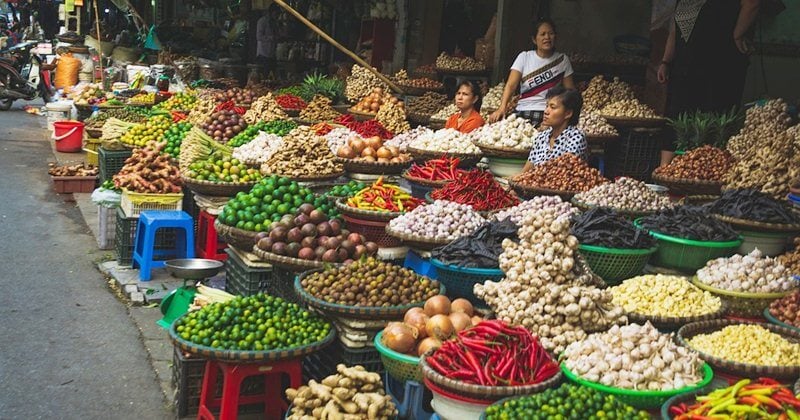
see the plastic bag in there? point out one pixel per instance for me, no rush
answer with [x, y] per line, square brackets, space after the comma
[67, 71]
[106, 198]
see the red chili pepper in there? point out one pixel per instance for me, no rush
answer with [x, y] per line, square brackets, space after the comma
[436, 366]
[768, 381]
[675, 411]
[288, 101]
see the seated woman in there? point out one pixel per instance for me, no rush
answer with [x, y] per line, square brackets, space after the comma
[468, 101]
[562, 134]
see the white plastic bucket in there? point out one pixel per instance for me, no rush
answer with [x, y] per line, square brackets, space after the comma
[770, 244]
[57, 111]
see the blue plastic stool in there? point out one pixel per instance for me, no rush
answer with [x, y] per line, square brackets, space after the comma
[408, 397]
[419, 265]
[150, 221]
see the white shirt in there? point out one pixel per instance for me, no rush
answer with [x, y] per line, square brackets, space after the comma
[265, 38]
[538, 76]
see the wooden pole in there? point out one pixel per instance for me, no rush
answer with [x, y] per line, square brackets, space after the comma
[99, 39]
[341, 48]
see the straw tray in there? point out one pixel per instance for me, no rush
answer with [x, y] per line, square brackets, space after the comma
[312, 178]
[697, 200]
[503, 152]
[641, 399]
[635, 122]
[668, 323]
[418, 91]
[481, 392]
[744, 224]
[467, 160]
[678, 186]
[238, 238]
[374, 168]
[248, 356]
[740, 369]
[459, 71]
[361, 116]
[346, 311]
[741, 304]
[418, 118]
[288, 263]
[417, 242]
[527, 192]
[379, 216]
[425, 182]
[217, 189]
[94, 132]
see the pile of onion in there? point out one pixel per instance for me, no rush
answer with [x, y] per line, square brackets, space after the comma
[425, 328]
[371, 149]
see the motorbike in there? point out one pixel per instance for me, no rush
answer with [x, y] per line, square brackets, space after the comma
[23, 75]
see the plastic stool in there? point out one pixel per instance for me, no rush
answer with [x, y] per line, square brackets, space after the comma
[151, 221]
[232, 376]
[208, 245]
[412, 394]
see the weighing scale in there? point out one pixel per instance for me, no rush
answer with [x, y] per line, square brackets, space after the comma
[177, 302]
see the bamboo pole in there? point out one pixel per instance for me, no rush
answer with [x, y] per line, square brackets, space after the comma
[339, 46]
[99, 39]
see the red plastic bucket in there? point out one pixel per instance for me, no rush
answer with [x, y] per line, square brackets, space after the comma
[68, 136]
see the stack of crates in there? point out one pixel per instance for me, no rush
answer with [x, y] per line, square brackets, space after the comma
[111, 161]
[107, 227]
[323, 363]
[245, 278]
[125, 237]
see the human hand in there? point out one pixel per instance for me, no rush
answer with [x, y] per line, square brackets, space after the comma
[663, 73]
[743, 45]
[496, 116]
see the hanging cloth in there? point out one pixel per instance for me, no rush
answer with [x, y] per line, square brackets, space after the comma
[686, 15]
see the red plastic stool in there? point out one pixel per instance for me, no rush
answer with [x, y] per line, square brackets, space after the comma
[232, 376]
[207, 244]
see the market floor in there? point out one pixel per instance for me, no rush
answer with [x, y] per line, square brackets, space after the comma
[69, 349]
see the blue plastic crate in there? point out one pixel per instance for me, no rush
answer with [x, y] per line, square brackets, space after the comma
[412, 399]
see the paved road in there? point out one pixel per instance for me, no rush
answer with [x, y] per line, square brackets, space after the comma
[68, 348]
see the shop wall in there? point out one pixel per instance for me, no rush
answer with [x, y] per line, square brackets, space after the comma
[591, 25]
[774, 70]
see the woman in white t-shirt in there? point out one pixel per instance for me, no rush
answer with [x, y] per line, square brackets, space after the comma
[535, 72]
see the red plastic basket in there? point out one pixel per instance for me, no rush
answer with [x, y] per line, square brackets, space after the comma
[374, 231]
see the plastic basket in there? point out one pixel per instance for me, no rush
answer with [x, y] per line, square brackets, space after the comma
[324, 362]
[107, 227]
[459, 281]
[374, 231]
[125, 236]
[74, 184]
[399, 366]
[641, 399]
[243, 280]
[132, 204]
[111, 161]
[420, 191]
[90, 146]
[686, 254]
[614, 265]
[740, 304]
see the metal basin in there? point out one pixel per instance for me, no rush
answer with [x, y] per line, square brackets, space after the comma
[193, 268]
[658, 188]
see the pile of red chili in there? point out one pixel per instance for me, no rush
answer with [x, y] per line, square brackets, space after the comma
[322, 128]
[493, 353]
[229, 105]
[478, 189]
[289, 101]
[442, 169]
[369, 128]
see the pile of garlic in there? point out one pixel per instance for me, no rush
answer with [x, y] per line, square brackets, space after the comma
[634, 357]
[511, 133]
[446, 140]
[258, 150]
[552, 203]
[544, 289]
[593, 125]
[491, 101]
[751, 273]
[445, 113]
[439, 220]
[402, 140]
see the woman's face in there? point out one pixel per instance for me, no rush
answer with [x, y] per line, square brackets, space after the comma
[465, 99]
[545, 38]
[555, 114]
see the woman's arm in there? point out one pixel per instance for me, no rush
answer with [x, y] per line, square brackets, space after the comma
[669, 54]
[528, 166]
[512, 84]
[747, 15]
[569, 82]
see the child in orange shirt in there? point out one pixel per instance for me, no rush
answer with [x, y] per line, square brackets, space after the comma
[468, 101]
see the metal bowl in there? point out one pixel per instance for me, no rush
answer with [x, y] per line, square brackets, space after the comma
[658, 188]
[193, 268]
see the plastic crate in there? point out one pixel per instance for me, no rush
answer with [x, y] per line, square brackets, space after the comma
[90, 146]
[125, 237]
[324, 361]
[636, 154]
[187, 377]
[244, 280]
[459, 281]
[282, 285]
[107, 227]
[192, 209]
[374, 231]
[412, 398]
[615, 265]
[111, 161]
[74, 184]
[132, 204]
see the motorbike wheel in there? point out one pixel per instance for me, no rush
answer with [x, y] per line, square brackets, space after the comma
[46, 94]
[5, 104]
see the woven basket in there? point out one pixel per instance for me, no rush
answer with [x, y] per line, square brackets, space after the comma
[425, 182]
[740, 369]
[503, 152]
[312, 178]
[217, 189]
[389, 313]
[94, 132]
[697, 200]
[361, 116]
[630, 214]
[459, 71]
[467, 160]
[752, 225]
[531, 192]
[379, 216]
[668, 323]
[402, 367]
[374, 168]
[740, 304]
[641, 399]
[417, 242]
[288, 263]
[418, 118]
[600, 139]
[418, 91]
[773, 320]
[679, 186]
[487, 393]
[635, 122]
[238, 238]
[248, 356]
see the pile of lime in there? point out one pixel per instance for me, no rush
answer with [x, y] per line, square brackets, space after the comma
[152, 130]
[222, 168]
[277, 127]
[254, 323]
[179, 102]
[174, 137]
[346, 190]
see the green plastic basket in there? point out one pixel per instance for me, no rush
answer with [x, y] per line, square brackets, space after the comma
[686, 254]
[773, 320]
[741, 304]
[647, 400]
[398, 365]
[614, 265]
[460, 281]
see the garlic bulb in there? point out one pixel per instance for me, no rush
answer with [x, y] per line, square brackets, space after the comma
[445, 140]
[510, 133]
